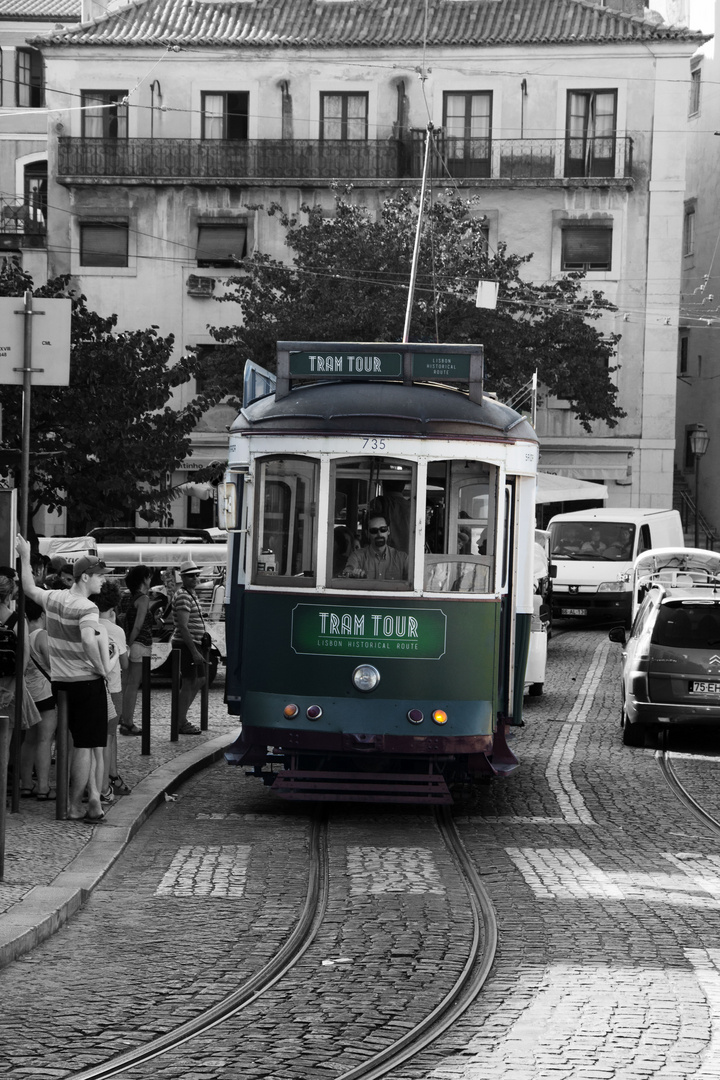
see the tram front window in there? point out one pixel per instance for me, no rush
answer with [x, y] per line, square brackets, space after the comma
[372, 537]
[460, 517]
[286, 522]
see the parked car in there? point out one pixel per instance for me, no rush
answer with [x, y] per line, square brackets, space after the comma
[671, 658]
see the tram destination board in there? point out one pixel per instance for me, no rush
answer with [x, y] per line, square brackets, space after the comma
[461, 363]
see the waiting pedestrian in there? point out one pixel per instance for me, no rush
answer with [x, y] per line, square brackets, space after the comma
[139, 621]
[37, 744]
[189, 636]
[30, 717]
[108, 600]
[78, 670]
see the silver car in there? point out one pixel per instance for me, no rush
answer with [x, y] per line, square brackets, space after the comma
[671, 661]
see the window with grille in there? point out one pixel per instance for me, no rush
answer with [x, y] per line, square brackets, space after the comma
[467, 130]
[591, 133]
[586, 247]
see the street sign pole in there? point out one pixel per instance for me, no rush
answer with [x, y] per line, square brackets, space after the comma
[23, 518]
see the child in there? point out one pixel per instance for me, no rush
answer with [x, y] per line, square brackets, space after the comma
[112, 637]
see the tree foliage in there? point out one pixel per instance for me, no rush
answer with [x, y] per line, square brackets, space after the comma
[104, 445]
[349, 282]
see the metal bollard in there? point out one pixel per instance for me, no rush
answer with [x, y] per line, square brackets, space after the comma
[62, 759]
[4, 760]
[174, 694]
[145, 737]
[204, 691]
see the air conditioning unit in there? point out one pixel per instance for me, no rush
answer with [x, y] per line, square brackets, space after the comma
[200, 286]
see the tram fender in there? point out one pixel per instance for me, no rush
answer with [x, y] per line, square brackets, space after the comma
[242, 752]
[503, 759]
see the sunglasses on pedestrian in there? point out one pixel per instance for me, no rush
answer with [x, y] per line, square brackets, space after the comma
[379, 529]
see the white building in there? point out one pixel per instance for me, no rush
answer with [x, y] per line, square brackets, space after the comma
[170, 118]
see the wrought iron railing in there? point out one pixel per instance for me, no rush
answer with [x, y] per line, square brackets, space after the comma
[501, 159]
[22, 217]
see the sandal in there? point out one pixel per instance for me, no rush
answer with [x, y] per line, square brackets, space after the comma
[130, 729]
[45, 796]
[188, 729]
[27, 792]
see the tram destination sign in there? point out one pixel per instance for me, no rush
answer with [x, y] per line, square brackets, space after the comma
[365, 364]
[392, 633]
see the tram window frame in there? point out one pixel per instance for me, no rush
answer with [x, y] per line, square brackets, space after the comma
[450, 570]
[400, 515]
[307, 577]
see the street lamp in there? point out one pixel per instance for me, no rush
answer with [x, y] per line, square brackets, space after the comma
[699, 440]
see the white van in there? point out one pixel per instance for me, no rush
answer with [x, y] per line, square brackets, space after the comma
[593, 552]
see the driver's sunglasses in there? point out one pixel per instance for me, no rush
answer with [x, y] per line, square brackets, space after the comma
[380, 528]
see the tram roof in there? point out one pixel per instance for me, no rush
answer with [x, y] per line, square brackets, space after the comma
[385, 408]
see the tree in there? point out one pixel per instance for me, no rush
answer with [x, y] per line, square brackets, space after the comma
[104, 445]
[349, 282]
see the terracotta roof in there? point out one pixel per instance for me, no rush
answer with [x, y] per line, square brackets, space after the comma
[369, 23]
[40, 10]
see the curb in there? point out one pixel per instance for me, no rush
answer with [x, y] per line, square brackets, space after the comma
[46, 908]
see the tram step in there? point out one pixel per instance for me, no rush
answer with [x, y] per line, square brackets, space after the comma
[304, 785]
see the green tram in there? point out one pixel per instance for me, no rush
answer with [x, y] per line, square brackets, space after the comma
[380, 573]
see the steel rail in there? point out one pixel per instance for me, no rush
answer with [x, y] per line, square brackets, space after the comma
[284, 959]
[663, 759]
[468, 984]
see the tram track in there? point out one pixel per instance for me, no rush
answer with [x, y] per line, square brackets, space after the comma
[465, 989]
[662, 756]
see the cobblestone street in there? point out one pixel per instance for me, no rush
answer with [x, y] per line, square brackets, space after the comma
[607, 896]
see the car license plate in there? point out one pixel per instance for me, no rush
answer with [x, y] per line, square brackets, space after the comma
[573, 611]
[704, 688]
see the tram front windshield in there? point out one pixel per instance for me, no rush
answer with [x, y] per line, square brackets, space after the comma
[375, 515]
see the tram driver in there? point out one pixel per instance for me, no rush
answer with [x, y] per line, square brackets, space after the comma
[377, 561]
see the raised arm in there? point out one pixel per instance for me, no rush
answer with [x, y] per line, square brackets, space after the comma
[28, 582]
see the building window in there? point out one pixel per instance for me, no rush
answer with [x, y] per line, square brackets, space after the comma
[221, 245]
[467, 124]
[343, 116]
[689, 232]
[586, 247]
[590, 133]
[104, 243]
[104, 114]
[684, 342]
[29, 83]
[225, 116]
[694, 91]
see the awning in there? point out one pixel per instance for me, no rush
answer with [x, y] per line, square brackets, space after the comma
[554, 488]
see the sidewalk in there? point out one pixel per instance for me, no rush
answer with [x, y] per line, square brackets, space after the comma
[51, 867]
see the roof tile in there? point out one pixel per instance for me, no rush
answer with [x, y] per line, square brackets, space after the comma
[367, 23]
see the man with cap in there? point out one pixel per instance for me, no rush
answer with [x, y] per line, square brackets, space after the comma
[77, 667]
[187, 637]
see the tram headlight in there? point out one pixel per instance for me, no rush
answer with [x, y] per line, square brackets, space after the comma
[439, 716]
[365, 677]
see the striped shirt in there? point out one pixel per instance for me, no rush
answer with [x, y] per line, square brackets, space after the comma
[184, 601]
[67, 613]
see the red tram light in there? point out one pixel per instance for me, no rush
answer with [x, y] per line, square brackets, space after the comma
[313, 712]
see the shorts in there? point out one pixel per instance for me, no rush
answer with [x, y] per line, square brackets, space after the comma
[137, 651]
[87, 712]
[188, 667]
[46, 704]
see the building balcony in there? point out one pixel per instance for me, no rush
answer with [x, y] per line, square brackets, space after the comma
[477, 161]
[22, 224]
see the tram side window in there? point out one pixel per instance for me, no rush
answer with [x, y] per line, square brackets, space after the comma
[285, 541]
[460, 527]
[372, 540]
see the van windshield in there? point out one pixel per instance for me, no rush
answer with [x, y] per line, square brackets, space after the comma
[611, 540]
